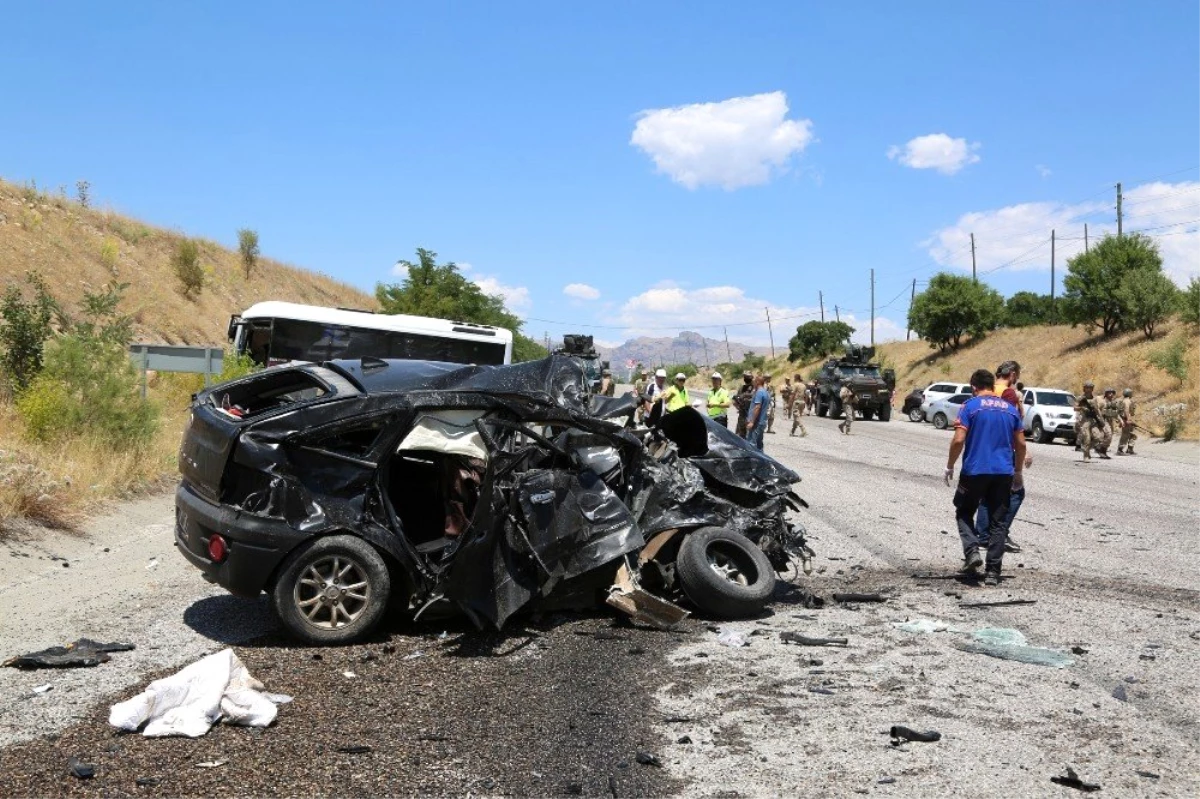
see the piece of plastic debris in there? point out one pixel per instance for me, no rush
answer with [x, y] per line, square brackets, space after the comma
[1071, 780]
[683, 739]
[146, 782]
[1078, 650]
[819, 690]
[732, 638]
[349, 675]
[414, 655]
[1150, 775]
[215, 688]
[921, 626]
[1120, 694]
[901, 733]
[80, 770]
[859, 598]
[445, 634]
[84, 652]
[886, 780]
[804, 640]
[211, 764]
[1003, 603]
[41, 689]
[1008, 644]
[648, 759]
[355, 749]
[152, 563]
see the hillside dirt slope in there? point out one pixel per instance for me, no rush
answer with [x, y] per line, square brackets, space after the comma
[76, 249]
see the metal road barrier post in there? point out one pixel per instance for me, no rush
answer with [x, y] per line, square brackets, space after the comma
[169, 358]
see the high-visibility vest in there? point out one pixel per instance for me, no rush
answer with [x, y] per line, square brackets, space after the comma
[675, 398]
[718, 402]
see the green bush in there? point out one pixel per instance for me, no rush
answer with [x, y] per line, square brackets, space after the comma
[24, 328]
[186, 263]
[44, 407]
[1172, 359]
[1189, 303]
[248, 247]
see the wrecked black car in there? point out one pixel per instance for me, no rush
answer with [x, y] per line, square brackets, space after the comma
[346, 487]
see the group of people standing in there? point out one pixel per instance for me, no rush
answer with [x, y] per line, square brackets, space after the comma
[1097, 420]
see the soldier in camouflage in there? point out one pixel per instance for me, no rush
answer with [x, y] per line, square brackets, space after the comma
[1128, 407]
[1092, 431]
[741, 401]
[849, 403]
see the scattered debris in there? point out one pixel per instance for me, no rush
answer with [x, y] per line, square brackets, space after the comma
[1146, 656]
[859, 598]
[804, 640]
[354, 749]
[922, 626]
[816, 689]
[41, 689]
[1071, 780]
[900, 734]
[1120, 694]
[683, 739]
[886, 780]
[80, 770]
[414, 655]
[146, 782]
[153, 563]
[732, 638]
[1150, 775]
[676, 719]
[1008, 644]
[215, 688]
[211, 764]
[1000, 604]
[84, 652]
[648, 759]
[1078, 650]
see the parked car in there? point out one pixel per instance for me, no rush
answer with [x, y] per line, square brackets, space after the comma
[912, 405]
[1049, 413]
[340, 488]
[936, 391]
[944, 411]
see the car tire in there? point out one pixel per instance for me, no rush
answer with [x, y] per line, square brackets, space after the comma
[835, 408]
[1038, 433]
[867, 414]
[885, 413]
[940, 421]
[724, 573]
[332, 591]
[822, 409]
[916, 415]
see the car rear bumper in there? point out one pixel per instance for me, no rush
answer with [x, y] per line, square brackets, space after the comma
[256, 546]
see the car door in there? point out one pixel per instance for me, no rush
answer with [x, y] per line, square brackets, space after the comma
[1027, 419]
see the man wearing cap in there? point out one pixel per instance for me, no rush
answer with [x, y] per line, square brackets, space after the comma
[719, 401]
[1091, 430]
[1125, 445]
[654, 391]
[608, 388]
[676, 396]
[741, 401]
[756, 420]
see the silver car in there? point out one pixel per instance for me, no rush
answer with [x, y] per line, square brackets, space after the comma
[944, 411]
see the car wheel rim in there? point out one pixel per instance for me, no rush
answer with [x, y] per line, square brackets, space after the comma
[332, 592]
[729, 564]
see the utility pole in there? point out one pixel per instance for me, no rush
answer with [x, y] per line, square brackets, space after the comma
[912, 298]
[821, 294]
[728, 354]
[707, 363]
[1118, 210]
[1052, 280]
[973, 259]
[872, 306]
[770, 332]
[836, 315]
[1085, 241]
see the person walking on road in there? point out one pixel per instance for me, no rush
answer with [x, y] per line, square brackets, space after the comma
[741, 401]
[756, 421]
[990, 437]
[1091, 429]
[849, 400]
[796, 423]
[786, 395]
[719, 401]
[1007, 374]
[770, 410]
[1128, 408]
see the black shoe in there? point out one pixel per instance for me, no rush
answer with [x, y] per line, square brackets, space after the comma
[1104, 456]
[1011, 546]
[971, 562]
[992, 578]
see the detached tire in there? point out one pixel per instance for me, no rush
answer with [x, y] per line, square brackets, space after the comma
[724, 573]
[332, 591]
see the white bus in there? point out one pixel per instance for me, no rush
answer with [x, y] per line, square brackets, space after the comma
[279, 332]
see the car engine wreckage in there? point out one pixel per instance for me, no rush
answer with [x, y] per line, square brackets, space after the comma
[342, 486]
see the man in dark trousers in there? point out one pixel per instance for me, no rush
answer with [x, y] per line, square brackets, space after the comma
[741, 401]
[991, 439]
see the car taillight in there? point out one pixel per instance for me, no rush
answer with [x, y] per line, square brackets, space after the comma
[218, 548]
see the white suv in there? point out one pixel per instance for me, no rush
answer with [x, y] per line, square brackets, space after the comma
[1049, 412]
[938, 391]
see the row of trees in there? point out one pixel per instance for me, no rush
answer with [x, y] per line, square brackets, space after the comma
[185, 261]
[1118, 285]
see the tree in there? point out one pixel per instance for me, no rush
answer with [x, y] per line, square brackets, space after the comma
[1094, 295]
[1189, 303]
[817, 339]
[953, 306]
[1148, 297]
[440, 290]
[186, 263]
[248, 247]
[24, 328]
[1027, 308]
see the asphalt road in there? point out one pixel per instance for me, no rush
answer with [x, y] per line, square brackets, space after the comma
[563, 704]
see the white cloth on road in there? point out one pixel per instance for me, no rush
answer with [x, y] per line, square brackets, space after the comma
[215, 688]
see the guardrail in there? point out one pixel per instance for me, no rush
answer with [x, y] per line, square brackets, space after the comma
[171, 358]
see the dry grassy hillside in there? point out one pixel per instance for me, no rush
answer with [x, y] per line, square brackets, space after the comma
[76, 248]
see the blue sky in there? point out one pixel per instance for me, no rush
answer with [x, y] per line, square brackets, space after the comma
[684, 164]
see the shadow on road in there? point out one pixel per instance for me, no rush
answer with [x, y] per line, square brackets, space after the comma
[229, 619]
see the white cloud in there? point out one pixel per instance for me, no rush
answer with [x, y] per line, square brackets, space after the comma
[1017, 237]
[1043, 170]
[936, 151]
[666, 309]
[581, 291]
[400, 269]
[516, 298]
[734, 143]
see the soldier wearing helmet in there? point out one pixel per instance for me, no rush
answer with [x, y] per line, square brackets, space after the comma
[1128, 407]
[1091, 431]
[1112, 412]
[742, 400]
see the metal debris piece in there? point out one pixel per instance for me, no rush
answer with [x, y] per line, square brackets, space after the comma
[648, 759]
[354, 749]
[1120, 694]
[859, 598]
[1071, 780]
[80, 770]
[804, 640]
[211, 764]
[1004, 603]
[84, 652]
[900, 733]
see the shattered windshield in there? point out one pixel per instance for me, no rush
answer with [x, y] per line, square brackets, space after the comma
[859, 371]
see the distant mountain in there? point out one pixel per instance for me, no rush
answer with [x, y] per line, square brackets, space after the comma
[687, 347]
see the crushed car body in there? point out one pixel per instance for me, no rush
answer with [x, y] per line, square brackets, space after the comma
[340, 488]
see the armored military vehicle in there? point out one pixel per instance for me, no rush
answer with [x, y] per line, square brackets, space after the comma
[583, 349]
[871, 384]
